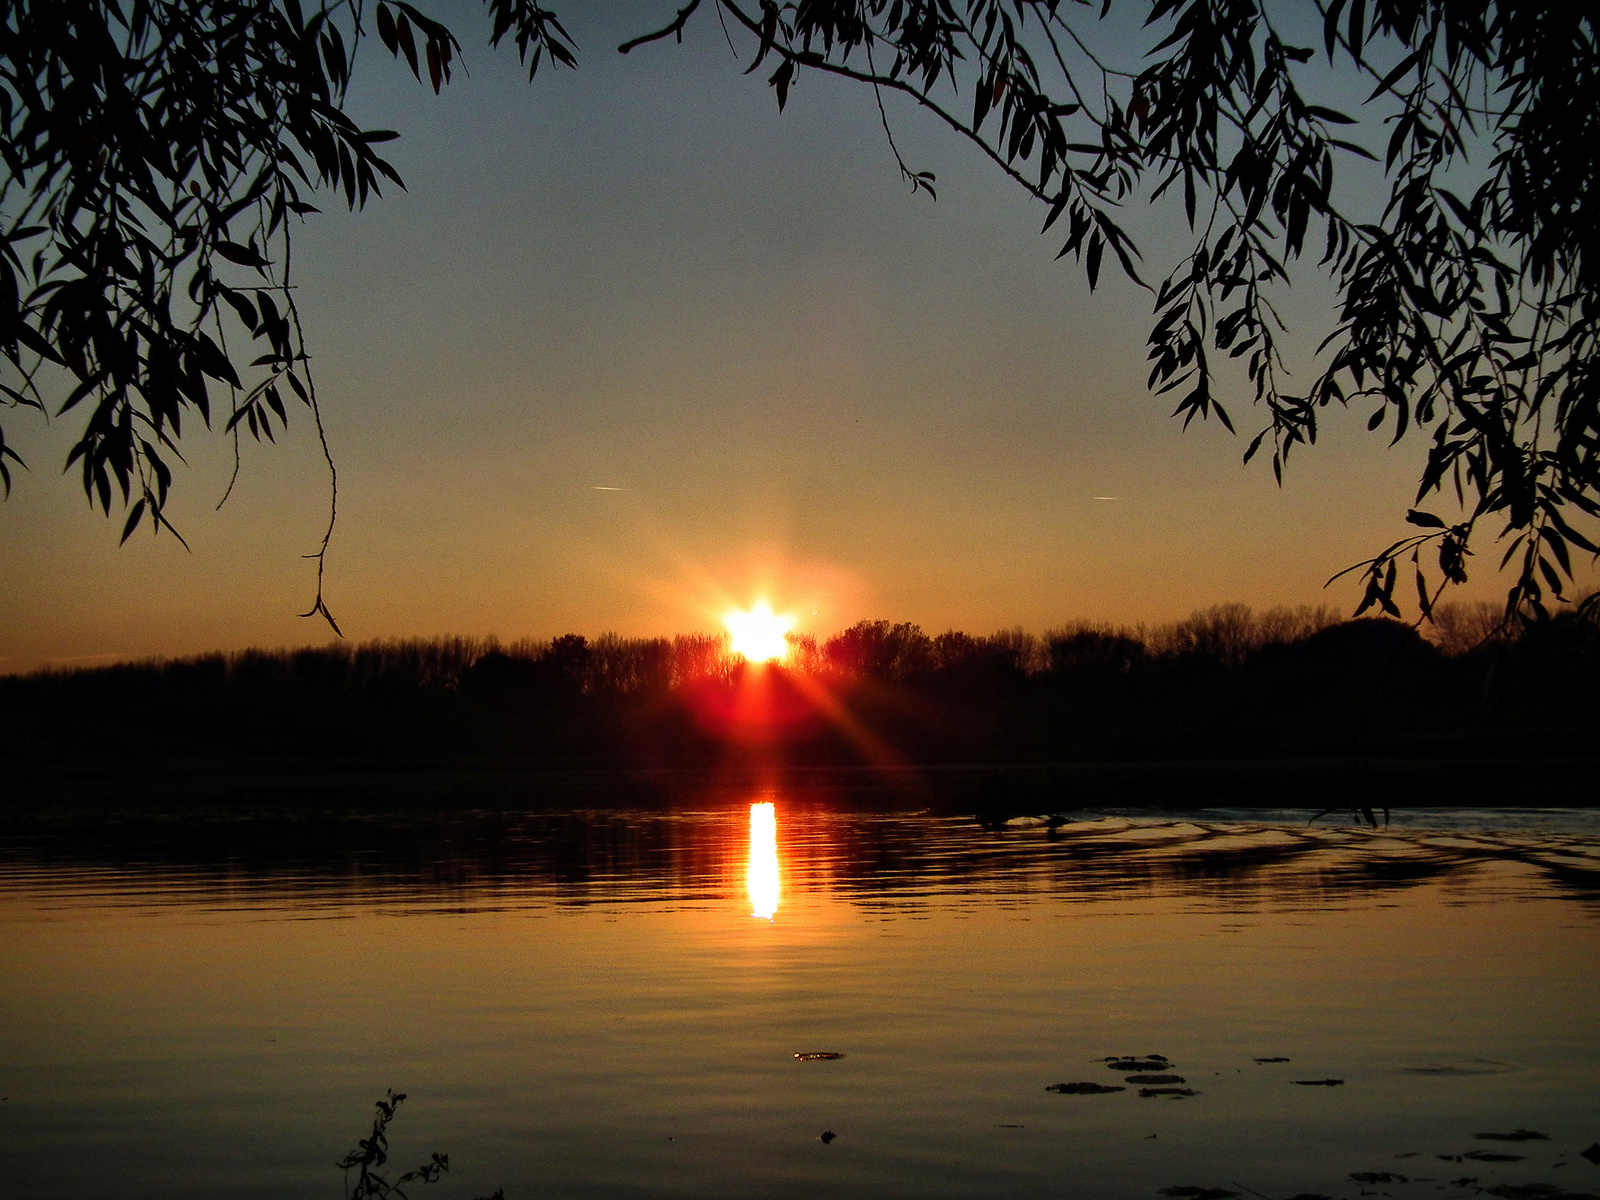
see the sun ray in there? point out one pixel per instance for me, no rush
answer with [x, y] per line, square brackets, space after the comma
[873, 748]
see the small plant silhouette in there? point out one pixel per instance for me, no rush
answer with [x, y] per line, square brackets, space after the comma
[373, 1151]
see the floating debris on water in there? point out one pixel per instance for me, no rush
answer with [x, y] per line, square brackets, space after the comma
[1082, 1089]
[826, 1136]
[1198, 1193]
[1267, 1060]
[1151, 1062]
[1176, 1093]
[1592, 1154]
[1156, 1079]
[1378, 1177]
[818, 1055]
[1475, 1066]
[1535, 1191]
[1516, 1135]
[1320, 1082]
[1492, 1156]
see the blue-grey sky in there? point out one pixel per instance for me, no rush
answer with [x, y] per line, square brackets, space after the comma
[635, 347]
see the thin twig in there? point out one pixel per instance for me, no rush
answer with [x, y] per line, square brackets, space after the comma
[917, 182]
[321, 555]
[673, 30]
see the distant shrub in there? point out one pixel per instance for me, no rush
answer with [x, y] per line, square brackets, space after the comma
[1019, 651]
[1231, 634]
[880, 650]
[1223, 633]
[701, 656]
[805, 654]
[1282, 626]
[1459, 629]
[1098, 652]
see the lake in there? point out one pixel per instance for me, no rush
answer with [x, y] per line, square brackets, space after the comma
[611, 1003]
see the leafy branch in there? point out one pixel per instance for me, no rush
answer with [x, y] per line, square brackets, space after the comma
[157, 156]
[1470, 318]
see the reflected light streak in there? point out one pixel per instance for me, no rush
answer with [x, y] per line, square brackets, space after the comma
[763, 871]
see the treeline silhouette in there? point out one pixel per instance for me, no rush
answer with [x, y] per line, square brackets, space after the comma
[1225, 683]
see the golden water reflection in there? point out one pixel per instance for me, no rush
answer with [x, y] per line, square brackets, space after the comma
[763, 872]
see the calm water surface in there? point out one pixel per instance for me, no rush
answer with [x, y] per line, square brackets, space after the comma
[609, 1004]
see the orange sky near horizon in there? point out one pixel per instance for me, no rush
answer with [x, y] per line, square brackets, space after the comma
[634, 348]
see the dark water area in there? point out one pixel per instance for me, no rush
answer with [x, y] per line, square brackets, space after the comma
[611, 1001]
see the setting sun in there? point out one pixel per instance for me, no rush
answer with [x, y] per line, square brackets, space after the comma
[759, 633]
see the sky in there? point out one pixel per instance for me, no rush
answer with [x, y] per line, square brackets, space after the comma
[634, 348]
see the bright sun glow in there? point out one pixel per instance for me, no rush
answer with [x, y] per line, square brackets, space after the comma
[763, 874]
[758, 634]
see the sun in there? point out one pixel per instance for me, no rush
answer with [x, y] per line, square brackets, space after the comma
[758, 633]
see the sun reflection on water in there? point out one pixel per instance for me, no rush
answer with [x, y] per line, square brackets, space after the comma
[763, 873]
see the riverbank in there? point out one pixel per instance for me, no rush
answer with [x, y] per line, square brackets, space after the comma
[992, 791]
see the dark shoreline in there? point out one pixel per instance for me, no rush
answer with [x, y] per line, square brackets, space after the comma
[1361, 713]
[1018, 789]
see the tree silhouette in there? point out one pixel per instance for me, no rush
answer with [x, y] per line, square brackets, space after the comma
[156, 155]
[157, 152]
